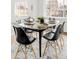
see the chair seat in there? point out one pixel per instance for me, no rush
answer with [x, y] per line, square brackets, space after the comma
[53, 35]
[24, 40]
[49, 36]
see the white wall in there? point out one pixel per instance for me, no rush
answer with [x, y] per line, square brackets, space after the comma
[12, 15]
[40, 7]
[34, 5]
[12, 11]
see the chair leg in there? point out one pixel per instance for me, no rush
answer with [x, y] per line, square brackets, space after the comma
[25, 52]
[17, 51]
[33, 51]
[45, 48]
[52, 45]
[56, 50]
[58, 46]
[62, 42]
[35, 34]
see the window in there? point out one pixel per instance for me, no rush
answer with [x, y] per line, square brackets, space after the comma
[55, 8]
[21, 8]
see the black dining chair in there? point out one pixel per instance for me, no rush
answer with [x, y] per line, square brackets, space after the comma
[30, 20]
[52, 38]
[25, 41]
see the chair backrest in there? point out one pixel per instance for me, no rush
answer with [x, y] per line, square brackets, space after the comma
[20, 34]
[57, 33]
[62, 27]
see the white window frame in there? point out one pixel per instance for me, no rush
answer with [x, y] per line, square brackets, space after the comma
[44, 9]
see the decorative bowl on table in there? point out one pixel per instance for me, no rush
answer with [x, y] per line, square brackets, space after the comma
[31, 19]
[29, 23]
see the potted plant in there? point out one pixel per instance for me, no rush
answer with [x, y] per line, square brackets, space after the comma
[40, 19]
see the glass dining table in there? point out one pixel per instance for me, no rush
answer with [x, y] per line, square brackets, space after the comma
[37, 28]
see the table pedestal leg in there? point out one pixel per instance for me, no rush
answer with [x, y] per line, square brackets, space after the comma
[40, 37]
